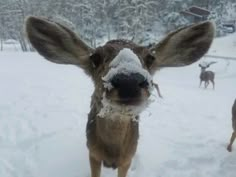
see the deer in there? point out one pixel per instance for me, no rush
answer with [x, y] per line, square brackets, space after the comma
[233, 136]
[122, 72]
[206, 76]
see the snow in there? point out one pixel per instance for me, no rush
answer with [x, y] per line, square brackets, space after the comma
[43, 115]
[125, 56]
[224, 46]
[123, 112]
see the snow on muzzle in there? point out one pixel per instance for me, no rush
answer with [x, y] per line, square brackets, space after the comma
[127, 77]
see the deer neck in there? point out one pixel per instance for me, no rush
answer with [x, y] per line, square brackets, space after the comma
[115, 130]
[114, 124]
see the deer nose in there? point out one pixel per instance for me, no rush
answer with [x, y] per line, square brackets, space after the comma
[129, 85]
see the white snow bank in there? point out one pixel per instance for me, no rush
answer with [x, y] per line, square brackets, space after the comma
[224, 46]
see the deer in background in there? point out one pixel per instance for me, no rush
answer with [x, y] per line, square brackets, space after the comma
[122, 74]
[229, 148]
[206, 76]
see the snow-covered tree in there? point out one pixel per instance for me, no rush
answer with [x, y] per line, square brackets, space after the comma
[95, 20]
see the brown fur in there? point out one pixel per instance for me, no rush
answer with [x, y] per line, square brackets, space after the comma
[229, 148]
[112, 140]
[207, 76]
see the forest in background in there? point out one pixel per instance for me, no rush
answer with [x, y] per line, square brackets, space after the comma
[94, 20]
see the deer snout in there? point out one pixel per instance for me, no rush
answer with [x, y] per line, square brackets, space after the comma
[129, 86]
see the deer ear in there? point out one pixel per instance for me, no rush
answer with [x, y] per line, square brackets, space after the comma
[57, 43]
[184, 46]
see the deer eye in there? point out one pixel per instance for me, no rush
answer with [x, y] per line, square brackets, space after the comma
[149, 59]
[96, 59]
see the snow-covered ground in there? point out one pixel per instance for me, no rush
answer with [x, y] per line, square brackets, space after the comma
[43, 114]
[224, 46]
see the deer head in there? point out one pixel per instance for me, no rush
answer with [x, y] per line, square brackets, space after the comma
[122, 74]
[204, 66]
[121, 70]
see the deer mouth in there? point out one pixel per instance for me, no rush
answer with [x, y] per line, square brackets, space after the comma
[125, 107]
[129, 101]
[117, 97]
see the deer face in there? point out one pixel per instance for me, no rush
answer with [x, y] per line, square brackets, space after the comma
[126, 80]
[205, 65]
[121, 73]
[203, 68]
[121, 70]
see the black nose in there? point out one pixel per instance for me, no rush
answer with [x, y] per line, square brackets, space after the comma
[129, 85]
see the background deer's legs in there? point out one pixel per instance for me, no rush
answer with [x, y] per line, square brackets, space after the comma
[213, 83]
[206, 84]
[229, 148]
[200, 83]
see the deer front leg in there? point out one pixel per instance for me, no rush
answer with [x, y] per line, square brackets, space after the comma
[122, 170]
[213, 83]
[206, 84]
[229, 148]
[200, 84]
[95, 167]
